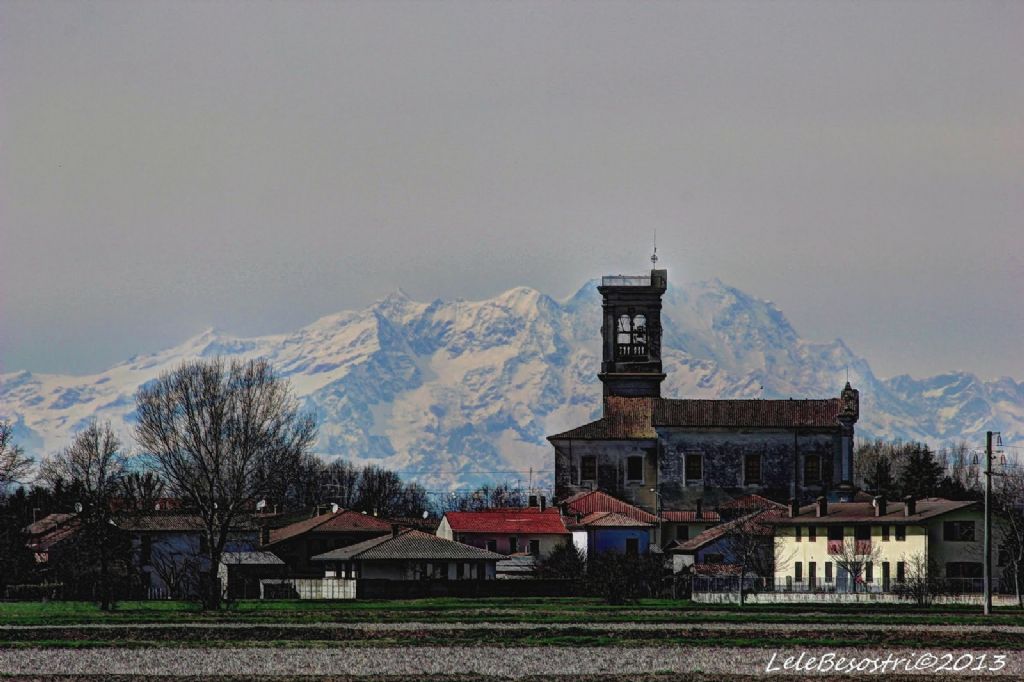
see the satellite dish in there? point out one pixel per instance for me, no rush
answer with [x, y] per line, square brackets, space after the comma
[364, 513]
[425, 513]
[78, 507]
[334, 508]
[261, 504]
[156, 507]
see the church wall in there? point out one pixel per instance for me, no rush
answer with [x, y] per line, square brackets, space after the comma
[611, 458]
[723, 464]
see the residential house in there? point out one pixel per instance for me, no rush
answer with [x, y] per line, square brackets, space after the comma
[744, 544]
[297, 542]
[408, 555]
[600, 522]
[170, 553]
[879, 545]
[681, 525]
[531, 530]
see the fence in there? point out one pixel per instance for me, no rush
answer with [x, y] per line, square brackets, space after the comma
[937, 586]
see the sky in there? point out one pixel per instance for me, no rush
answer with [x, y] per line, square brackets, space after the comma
[171, 166]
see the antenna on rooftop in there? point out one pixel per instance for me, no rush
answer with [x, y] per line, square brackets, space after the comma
[654, 256]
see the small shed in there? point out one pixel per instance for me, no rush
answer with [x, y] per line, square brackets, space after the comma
[241, 573]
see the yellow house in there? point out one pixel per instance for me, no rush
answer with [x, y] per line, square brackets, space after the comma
[880, 546]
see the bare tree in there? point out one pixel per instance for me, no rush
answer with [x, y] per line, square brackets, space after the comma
[919, 581]
[750, 544]
[853, 556]
[1008, 501]
[178, 569]
[141, 491]
[14, 465]
[222, 436]
[94, 465]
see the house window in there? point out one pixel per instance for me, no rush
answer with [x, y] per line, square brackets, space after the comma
[885, 533]
[492, 545]
[798, 571]
[869, 572]
[901, 533]
[513, 544]
[812, 573]
[964, 569]
[812, 534]
[588, 468]
[862, 533]
[535, 547]
[632, 546]
[797, 533]
[835, 533]
[812, 469]
[714, 558]
[752, 469]
[694, 466]
[146, 549]
[828, 571]
[635, 469]
[885, 575]
[901, 571]
[958, 531]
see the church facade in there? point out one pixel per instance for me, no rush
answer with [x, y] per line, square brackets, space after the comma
[664, 453]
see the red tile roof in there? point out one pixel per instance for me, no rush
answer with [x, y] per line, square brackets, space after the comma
[690, 516]
[341, 521]
[864, 512]
[751, 502]
[760, 526]
[609, 520]
[529, 521]
[597, 501]
[636, 418]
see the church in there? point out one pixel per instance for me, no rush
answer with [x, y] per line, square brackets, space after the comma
[669, 453]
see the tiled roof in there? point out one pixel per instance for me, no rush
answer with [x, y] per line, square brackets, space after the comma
[251, 559]
[47, 523]
[529, 521]
[597, 501]
[751, 502]
[690, 516]
[610, 520]
[172, 522]
[409, 544]
[624, 419]
[760, 527]
[636, 418]
[864, 512]
[341, 521]
[748, 413]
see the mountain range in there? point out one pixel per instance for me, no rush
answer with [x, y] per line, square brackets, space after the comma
[461, 392]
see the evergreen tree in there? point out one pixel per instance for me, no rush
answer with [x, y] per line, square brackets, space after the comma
[921, 474]
[879, 480]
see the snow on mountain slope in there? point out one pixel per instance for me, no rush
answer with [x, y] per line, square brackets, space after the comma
[461, 389]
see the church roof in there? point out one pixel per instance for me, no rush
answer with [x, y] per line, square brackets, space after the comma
[636, 418]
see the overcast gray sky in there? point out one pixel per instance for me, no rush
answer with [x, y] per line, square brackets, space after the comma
[165, 167]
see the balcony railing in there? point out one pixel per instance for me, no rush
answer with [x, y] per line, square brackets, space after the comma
[631, 350]
[626, 281]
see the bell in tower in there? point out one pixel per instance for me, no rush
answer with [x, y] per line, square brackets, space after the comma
[631, 334]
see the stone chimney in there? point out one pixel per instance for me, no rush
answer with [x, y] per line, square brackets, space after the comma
[395, 530]
[543, 502]
[879, 504]
[533, 501]
[822, 507]
[794, 508]
[700, 509]
[910, 507]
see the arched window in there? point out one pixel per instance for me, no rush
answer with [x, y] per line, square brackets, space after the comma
[625, 330]
[631, 336]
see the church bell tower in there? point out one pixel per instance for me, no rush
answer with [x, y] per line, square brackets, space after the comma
[631, 334]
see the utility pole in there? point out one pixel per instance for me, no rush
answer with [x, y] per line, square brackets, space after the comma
[988, 523]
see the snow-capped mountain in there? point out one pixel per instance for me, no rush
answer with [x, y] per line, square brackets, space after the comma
[454, 392]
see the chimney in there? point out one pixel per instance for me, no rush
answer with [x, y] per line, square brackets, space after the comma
[543, 502]
[395, 530]
[533, 501]
[794, 507]
[911, 505]
[879, 504]
[822, 505]
[700, 509]
[265, 535]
